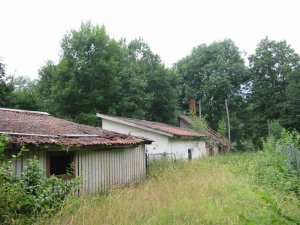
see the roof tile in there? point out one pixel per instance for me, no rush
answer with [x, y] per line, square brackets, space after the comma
[177, 131]
[26, 127]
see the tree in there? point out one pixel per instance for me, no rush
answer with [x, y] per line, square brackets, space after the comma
[45, 85]
[270, 67]
[214, 73]
[222, 128]
[85, 81]
[99, 74]
[291, 118]
[6, 87]
[148, 88]
[25, 95]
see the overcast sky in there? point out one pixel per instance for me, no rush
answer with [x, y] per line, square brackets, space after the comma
[31, 30]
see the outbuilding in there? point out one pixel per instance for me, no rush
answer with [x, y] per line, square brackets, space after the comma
[167, 139]
[102, 159]
[215, 143]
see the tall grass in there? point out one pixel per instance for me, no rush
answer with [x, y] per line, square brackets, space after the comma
[217, 190]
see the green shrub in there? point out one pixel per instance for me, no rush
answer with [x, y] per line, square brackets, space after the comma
[279, 166]
[199, 124]
[275, 129]
[32, 195]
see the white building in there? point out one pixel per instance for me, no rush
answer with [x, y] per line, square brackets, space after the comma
[183, 143]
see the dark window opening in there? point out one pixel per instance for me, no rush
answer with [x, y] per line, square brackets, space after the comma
[220, 149]
[211, 152]
[190, 154]
[61, 164]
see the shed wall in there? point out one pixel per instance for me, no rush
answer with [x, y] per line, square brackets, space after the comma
[20, 164]
[103, 169]
[99, 169]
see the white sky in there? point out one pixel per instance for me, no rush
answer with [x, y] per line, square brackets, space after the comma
[31, 30]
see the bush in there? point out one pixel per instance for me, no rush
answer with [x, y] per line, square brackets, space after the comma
[199, 124]
[279, 166]
[32, 195]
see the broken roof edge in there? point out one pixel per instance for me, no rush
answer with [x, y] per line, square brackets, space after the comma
[25, 111]
[210, 131]
[114, 119]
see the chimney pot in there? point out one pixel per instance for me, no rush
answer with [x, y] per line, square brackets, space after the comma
[192, 104]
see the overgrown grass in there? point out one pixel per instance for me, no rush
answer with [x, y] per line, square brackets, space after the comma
[217, 190]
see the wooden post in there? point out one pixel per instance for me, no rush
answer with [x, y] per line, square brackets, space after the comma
[200, 109]
[228, 121]
[269, 134]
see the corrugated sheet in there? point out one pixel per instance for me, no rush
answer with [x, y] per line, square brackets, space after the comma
[98, 169]
[104, 169]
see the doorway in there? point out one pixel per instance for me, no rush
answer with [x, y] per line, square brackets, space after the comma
[190, 154]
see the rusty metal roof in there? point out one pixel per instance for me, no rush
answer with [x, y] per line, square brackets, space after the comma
[172, 130]
[31, 127]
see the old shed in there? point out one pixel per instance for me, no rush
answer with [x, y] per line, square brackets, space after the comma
[182, 143]
[102, 158]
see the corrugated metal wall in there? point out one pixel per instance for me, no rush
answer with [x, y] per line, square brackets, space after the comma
[102, 169]
[21, 163]
[99, 169]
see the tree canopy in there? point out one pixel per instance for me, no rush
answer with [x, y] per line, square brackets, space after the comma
[99, 74]
[270, 67]
[213, 73]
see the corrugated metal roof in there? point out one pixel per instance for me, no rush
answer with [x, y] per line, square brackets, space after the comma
[176, 131]
[32, 127]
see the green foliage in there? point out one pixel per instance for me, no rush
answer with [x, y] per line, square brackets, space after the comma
[222, 128]
[25, 95]
[199, 124]
[280, 165]
[270, 67]
[99, 74]
[4, 140]
[213, 73]
[23, 199]
[291, 117]
[275, 129]
[148, 88]
[87, 118]
[6, 87]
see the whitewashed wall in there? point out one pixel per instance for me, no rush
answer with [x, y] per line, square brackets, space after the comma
[160, 144]
[180, 147]
[99, 169]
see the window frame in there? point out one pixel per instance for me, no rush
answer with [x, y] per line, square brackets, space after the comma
[49, 154]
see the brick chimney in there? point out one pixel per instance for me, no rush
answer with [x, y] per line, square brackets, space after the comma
[192, 105]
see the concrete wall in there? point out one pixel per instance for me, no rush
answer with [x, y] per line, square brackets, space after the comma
[160, 144]
[181, 146]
